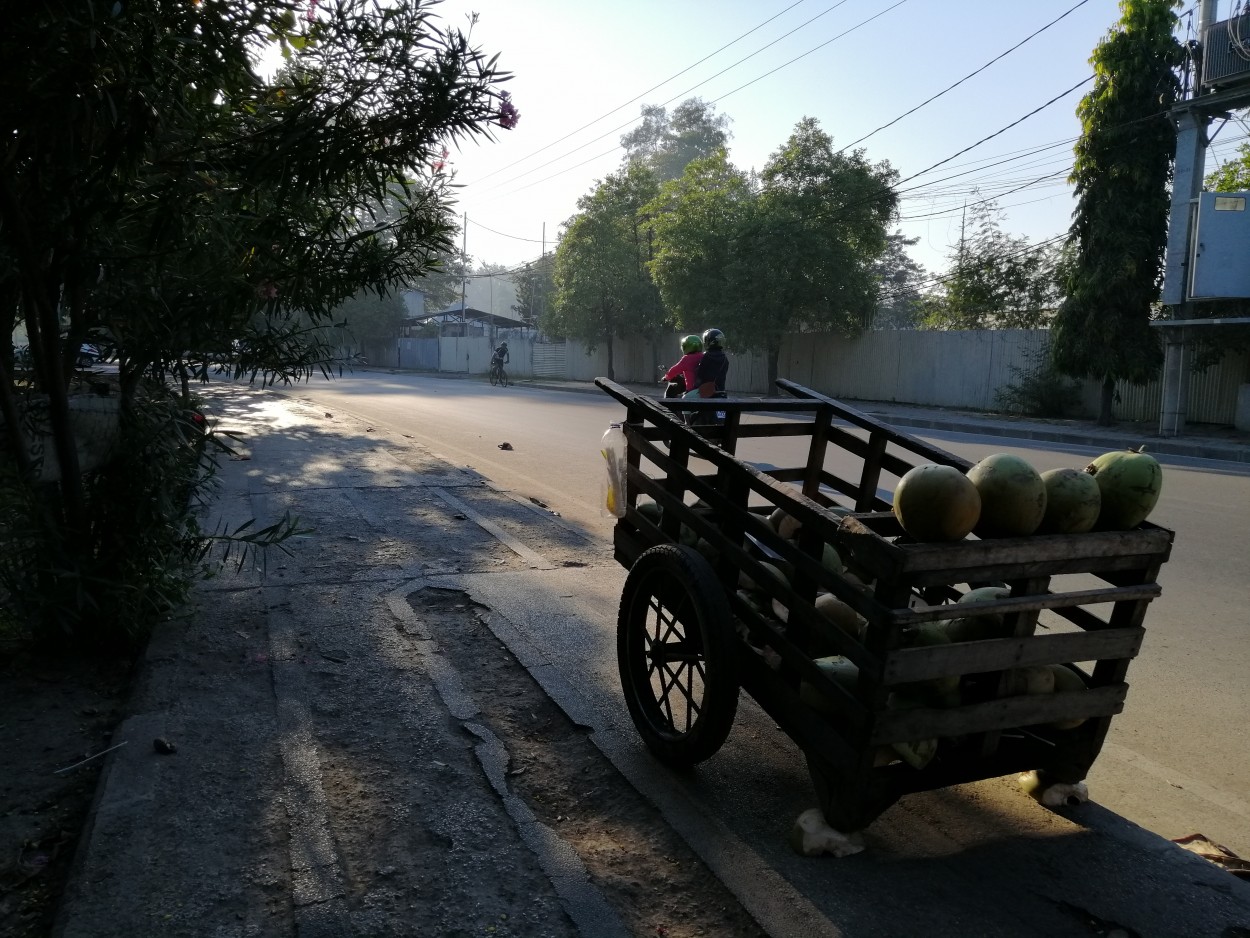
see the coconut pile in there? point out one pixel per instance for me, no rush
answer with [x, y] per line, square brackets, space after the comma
[1004, 496]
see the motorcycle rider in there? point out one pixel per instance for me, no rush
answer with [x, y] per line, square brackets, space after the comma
[710, 375]
[681, 375]
[713, 367]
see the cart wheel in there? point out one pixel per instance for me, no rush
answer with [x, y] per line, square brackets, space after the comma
[675, 647]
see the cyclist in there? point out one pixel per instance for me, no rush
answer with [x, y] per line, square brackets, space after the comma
[680, 377]
[499, 357]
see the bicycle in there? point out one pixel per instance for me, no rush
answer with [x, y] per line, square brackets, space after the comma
[497, 375]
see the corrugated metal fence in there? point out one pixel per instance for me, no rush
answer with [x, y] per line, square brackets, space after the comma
[945, 369]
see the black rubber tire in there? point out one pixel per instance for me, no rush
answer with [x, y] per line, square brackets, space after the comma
[494, 376]
[674, 611]
[503, 378]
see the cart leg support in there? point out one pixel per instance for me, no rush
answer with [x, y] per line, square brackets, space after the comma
[1052, 793]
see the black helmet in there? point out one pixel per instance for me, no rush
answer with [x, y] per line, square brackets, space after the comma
[503, 344]
[713, 339]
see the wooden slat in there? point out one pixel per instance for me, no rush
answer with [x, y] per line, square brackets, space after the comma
[1053, 600]
[997, 654]
[896, 726]
[904, 440]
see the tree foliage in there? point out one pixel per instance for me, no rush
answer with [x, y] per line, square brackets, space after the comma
[794, 253]
[996, 280]
[535, 288]
[162, 198]
[1232, 176]
[603, 288]
[1122, 173]
[700, 259]
[901, 280]
[667, 143]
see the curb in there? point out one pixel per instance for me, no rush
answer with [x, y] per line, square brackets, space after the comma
[1192, 448]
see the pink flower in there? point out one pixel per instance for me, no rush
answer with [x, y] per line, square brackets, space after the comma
[312, 11]
[267, 291]
[508, 114]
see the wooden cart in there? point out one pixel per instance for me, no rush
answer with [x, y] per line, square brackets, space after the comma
[689, 635]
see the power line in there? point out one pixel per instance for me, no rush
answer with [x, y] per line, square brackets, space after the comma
[966, 77]
[943, 278]
[654, 87]
[694, 87]
[1039, 108]
[501, 234]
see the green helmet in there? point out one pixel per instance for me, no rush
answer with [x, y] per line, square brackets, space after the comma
[691, 343]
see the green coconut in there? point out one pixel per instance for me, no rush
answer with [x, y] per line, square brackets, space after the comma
[843, 672]
[1073, 501]
[831, 560]
[1066, 680]
[839, 614]
[938, 691]
[1013, 496]
[1034, 680]
[936, 503]
[650, 510]
[784, 524]
[1130, 481]
[746, 582]
[971, 628]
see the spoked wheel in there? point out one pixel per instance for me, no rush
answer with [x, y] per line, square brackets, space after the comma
[503, 378]
[676, 647]
[494, 376]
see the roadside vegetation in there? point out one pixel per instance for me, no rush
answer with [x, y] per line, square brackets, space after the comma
[187, 211]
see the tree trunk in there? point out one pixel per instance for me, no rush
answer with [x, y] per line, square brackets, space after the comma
[611, 370]
[1107, 398]
[773, 355]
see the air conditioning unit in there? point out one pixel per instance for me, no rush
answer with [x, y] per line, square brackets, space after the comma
[1226, 53]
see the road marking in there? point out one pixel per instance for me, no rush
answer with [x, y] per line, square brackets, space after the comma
[1172, 777]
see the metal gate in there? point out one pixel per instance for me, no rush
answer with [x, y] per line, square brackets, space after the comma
[550, 360]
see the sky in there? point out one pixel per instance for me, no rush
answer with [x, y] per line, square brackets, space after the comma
[582, 69]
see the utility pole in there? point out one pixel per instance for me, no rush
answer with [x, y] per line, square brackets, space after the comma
[464, 273]
[1192, 116]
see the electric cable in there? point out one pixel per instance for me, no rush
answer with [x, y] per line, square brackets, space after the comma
[682, 94]
[652, 88]
[996, 58]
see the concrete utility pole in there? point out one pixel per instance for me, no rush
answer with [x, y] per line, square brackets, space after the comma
[1193, 116]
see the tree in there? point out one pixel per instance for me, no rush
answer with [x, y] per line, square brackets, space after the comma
[442, 283]
[792, 251]
[996, 280]
[1233, 176]
[159, 196]
[818, 227]
[697, 220]
[1122, 173]
[368, 318]
[667, 144]
[535, 288]
[900, 301]
[603, 287]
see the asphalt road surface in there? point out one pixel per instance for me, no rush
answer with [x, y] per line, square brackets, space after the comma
[1175, 761]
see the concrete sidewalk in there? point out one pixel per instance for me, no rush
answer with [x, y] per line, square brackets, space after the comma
[339, 771]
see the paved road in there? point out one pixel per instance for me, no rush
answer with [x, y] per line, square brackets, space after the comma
[1172, 763]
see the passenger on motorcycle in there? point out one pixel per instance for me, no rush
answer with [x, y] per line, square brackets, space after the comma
[681, 375]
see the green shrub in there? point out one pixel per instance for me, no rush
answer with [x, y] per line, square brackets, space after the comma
[142, 548]
[1038, 390]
